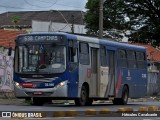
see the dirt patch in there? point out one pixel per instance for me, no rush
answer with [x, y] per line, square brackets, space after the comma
[10, 101]
[8, 98]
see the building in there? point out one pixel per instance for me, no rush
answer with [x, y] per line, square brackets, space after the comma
[53, 16]
[7, 40]
[41, 26]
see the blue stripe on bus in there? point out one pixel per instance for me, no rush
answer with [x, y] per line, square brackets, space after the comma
[73, 83]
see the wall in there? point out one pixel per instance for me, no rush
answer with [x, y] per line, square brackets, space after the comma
[153, 86]
[6, 70]
[41, 26]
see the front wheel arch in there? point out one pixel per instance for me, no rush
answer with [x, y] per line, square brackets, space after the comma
[124, 97]
[84, 96]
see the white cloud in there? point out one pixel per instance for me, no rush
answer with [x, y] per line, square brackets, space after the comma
[30, 5]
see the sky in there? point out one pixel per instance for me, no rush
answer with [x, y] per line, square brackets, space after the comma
[41, 5]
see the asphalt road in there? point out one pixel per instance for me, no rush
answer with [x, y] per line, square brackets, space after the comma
[50, 108]
[62, 107]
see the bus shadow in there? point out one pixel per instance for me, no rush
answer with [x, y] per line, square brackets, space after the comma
[93, 105]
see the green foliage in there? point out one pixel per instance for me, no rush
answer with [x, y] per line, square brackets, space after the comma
[15, 19]
[140, 17]
[91, 17]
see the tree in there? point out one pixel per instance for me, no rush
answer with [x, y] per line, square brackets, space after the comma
[140, 17]
[91, 17]
[15, 20]
[113, 20]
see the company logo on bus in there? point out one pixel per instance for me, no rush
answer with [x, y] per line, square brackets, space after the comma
[129, 75]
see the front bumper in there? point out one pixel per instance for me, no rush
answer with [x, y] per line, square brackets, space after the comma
[57, 91]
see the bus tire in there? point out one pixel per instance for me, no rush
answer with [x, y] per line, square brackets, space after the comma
[89, 102]
[84, 97]
[124, 99]
[38, 101]
[116, 101]
[125, 95]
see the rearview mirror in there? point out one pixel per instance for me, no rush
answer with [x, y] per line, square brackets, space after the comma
[10, 51]
[74, 51]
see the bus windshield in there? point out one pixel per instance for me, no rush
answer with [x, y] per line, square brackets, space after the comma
[40, 58]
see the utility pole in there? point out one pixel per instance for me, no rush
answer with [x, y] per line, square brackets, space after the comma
[72, 28]
[101, 19]
[50, 23]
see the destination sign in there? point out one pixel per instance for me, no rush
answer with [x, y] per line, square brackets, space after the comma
[40, 38]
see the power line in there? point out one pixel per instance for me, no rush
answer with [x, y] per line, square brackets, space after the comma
[4, 6]
[40, 6]
[59, 4]
[67, 24]
[55, 3]
[40, 9]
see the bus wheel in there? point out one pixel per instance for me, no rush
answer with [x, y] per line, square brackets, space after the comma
[125, 95]
[38, 101]
[89, 102]
[83, 100]
[124, 99]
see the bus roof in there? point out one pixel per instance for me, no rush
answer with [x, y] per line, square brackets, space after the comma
[122, 45]
[91, 40]
[111, 43]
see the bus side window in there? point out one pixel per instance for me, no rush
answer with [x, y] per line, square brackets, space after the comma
[140, 56]
[73, 58]
[131, 57]
[122, 62]
[84, 53]
[103, 56]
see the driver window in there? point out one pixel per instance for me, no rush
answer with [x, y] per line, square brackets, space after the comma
[73, 58]
[59, 57]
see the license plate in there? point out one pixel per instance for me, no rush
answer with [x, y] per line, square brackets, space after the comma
[37, 93]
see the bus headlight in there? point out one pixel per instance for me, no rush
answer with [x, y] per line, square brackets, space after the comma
[62, 83]
[18, 85]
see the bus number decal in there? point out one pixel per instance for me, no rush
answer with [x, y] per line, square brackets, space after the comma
[49, 84]
[144, 76]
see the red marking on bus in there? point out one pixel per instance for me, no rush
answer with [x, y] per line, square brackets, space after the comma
[119, 83]
[89, 72]
[27, 85]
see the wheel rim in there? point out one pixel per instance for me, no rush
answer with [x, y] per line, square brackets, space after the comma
[83, 96]
[125, 97]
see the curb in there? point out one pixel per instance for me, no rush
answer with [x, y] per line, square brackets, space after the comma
[90, 112]
[104, 111]
[151, 111]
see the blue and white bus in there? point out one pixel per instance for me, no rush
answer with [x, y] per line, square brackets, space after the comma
[58, 66]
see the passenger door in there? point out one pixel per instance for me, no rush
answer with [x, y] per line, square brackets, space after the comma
[110, 91]
[103, 71]
[94, 72]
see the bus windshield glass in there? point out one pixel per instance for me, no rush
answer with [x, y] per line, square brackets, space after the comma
[40, 58]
